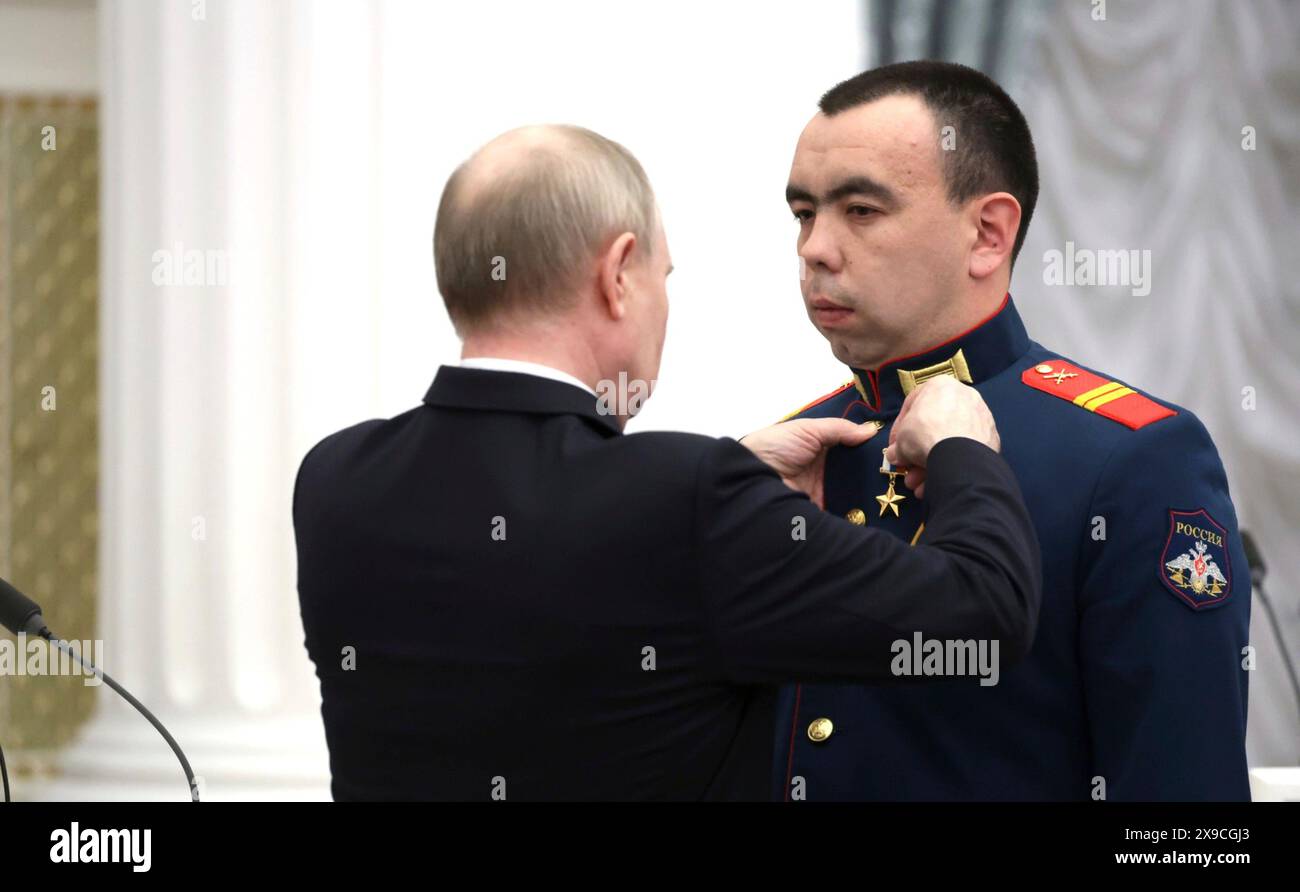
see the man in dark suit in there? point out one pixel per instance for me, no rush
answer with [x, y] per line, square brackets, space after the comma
[507, 598]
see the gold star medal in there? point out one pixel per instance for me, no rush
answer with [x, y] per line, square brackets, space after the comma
[889, 501]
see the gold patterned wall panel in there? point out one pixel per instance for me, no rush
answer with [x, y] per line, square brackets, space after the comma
[49, 339]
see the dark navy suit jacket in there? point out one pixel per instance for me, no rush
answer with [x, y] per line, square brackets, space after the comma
[505, 596]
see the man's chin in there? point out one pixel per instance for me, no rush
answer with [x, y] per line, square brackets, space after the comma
[839, 345]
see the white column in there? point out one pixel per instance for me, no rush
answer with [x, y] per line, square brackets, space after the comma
[212, 392]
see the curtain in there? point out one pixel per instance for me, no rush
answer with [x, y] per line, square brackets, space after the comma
[1174, 128]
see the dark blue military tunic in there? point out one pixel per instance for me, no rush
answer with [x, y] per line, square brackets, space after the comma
[1135, 687]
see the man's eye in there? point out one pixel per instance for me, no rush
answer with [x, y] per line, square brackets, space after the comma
[861, 210]
[801, 216]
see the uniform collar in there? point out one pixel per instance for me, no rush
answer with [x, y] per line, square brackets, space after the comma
[500, 391]
[973, 356]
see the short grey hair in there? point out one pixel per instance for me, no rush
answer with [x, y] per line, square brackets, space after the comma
[520, 241]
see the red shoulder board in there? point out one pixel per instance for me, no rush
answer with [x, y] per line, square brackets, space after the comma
[817, 402]
[1110, 399]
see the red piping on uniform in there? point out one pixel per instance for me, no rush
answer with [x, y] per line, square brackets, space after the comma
[794, 723]
[1006, 297]
[874, 381]
[821, 399]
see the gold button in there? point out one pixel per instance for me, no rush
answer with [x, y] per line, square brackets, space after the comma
[1042, 369]
[857, 517]
[820, 730]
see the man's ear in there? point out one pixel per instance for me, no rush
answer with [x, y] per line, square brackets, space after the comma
[997, 221]
[613, 274]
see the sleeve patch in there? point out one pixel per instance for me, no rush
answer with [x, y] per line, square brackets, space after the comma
[1194, 565]
[1109, 399]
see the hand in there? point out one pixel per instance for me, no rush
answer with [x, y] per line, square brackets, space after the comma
[797, 449]
[938, 409]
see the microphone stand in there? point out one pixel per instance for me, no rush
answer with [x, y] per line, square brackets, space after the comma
[126, 695]
[22, 616]
[4, 773]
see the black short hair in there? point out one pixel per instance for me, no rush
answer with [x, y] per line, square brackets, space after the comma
[994, 150]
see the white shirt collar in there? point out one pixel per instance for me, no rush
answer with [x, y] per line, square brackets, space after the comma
[494, 364]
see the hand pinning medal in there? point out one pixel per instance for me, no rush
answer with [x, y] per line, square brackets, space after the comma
[889, 501]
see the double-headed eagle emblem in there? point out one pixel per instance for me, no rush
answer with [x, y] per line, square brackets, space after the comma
[1197, 571]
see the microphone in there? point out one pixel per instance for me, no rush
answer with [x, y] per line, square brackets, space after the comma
[19, 613]
[1258, 569]
[1256, 560]
[22, 616]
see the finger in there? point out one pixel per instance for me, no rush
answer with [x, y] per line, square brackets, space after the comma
[909, 401]
[914, 478]
[899, 454]
[893, 431]
[841, 431]
[851, 434]
[901, 421]
[865, 431]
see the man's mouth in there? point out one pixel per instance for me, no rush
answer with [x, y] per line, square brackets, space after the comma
[827, 312]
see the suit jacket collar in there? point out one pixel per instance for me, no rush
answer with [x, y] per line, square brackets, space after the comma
[460, 388]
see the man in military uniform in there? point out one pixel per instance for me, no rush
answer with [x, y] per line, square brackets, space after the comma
[913, 188]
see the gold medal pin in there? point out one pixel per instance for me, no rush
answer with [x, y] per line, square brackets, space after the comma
[889, 501]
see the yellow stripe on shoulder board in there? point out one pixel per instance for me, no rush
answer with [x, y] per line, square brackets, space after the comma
[1089, 395]
[1100, 396]
[1094, 404]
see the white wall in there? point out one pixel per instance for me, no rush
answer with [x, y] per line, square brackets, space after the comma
[711, 97]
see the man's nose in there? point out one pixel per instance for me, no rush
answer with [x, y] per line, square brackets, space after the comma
[819, 250]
